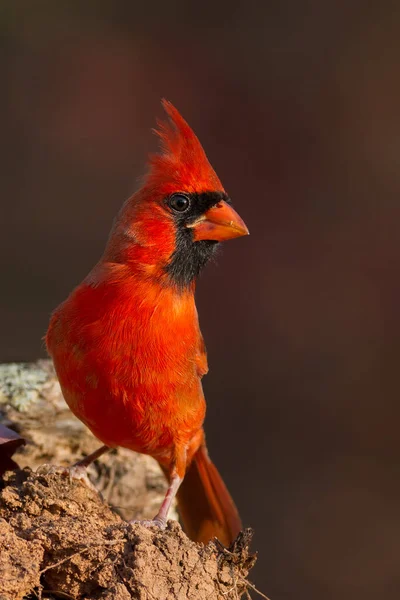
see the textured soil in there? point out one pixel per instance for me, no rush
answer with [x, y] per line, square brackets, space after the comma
[58, 539]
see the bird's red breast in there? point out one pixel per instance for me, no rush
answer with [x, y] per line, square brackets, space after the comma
[129, 359]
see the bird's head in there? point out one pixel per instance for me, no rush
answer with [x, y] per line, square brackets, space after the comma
[174, 223]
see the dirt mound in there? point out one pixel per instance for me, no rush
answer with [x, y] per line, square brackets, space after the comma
[58, 539]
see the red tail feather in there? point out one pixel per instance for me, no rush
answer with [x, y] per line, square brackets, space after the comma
[205, 505]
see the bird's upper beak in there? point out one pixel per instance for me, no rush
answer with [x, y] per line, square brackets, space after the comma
[219, 223]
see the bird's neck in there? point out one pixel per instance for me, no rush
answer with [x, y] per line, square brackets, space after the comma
[173, 260]
[120, 289]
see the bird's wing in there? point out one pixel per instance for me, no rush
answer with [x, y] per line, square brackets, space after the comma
[201, 358]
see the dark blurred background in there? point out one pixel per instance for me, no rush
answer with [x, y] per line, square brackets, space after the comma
[297, 105]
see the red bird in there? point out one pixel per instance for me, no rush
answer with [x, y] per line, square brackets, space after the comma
[126, 344]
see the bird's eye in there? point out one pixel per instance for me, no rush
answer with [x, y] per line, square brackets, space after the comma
[179, 202]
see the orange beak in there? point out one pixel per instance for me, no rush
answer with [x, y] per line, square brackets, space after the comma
[219, 223]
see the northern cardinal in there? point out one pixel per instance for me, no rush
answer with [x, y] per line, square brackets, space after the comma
[126, 344]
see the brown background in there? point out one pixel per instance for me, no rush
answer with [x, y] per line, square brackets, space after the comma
[297, 104]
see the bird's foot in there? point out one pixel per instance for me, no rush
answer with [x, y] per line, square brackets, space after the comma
[76, 472]
[156, 522]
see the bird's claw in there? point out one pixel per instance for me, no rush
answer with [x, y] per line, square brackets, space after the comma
[74, 472]
[156, 522]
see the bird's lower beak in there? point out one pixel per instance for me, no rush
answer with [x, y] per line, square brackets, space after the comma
[219, 223]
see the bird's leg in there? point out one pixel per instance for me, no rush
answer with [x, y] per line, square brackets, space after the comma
[85, 462]
[165, 507]
[176, 474]
[160, 520]
[78, 469]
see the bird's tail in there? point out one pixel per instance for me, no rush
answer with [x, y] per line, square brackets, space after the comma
[205, 505]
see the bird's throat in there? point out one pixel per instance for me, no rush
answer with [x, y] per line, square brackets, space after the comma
[188, 259]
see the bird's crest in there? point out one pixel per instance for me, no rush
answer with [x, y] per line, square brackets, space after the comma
[181, 162]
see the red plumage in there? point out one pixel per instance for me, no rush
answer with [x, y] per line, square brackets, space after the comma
[126, 343]
[182, 161]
